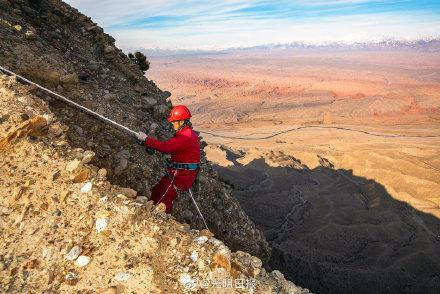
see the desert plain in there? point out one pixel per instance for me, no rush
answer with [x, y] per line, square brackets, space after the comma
[332, 151]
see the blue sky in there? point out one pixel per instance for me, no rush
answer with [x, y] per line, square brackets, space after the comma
[208, 24]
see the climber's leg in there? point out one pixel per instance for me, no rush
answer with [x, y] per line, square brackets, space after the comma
[164, 192]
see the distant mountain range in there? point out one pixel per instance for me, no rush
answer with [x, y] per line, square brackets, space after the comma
[430, 45]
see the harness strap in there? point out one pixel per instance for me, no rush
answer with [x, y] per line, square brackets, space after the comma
[183, 165]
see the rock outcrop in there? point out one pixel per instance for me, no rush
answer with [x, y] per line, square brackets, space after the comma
[53, 44]
[74, 192]
[66, 228]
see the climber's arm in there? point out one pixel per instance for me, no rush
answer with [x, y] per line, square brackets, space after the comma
[170, 146]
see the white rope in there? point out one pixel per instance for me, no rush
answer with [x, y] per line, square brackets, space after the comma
[198, 210]
[74, 104]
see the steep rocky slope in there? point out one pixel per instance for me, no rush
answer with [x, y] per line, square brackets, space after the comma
[331, 229]
[66, 229]
[53, 44]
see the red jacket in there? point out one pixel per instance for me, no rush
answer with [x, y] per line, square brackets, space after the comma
[184, 147]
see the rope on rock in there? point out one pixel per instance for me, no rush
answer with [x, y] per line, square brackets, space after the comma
[74, 104]
[198, 210]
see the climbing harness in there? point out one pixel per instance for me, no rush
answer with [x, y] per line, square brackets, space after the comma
[182, 165]
[189, 166]
[74, 104]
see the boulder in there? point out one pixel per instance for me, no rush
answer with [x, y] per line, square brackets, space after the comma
[128, 192]
[74, 252]
[73, 165]
[70, 79]
[82, 261]
[165, 94]
[245, 263]
[52, 77]
[88, 156]
[150, 101]
[30, 35]
[109, 49]
[161, 109]
[82, 176]
[222, 258]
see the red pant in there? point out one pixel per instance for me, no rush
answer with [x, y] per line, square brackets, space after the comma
[164, 192]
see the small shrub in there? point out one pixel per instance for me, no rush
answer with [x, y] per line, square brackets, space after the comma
[141, 60]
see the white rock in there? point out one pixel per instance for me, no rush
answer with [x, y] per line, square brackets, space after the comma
[26, 100]
[82, 261]
[88, 156]
[142, 199]
[122, 276]
[102, 173]
[194, 256]
[101, 224]
[73, 165]
[104, 199]
[50, 118]
[277, 274]
[74, 253]
[216, 242]
[200, 240]
[200, 265]
[47, 253]
[70, 276]
[187, 282]
[87, 187]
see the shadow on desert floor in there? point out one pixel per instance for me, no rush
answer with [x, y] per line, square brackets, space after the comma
[335, 232]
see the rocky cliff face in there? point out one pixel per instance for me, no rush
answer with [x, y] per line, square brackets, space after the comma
[53, 44]
[67, 229]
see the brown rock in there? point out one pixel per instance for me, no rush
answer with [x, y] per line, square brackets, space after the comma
[160, 208]
[18, 191]
[30, 35]
[128, 192]
[31, 264]
[243, 262]
[102, 173]
[53, 77]
[111, 290]
[82, 176]
[71, 278]
[109, 49]
[64, 195]
[71, 79]
[222, 258]
[111, 97]
[88, 156]
[206, 233]
[55, 129]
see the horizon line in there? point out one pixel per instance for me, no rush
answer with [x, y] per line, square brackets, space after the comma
[386, 41]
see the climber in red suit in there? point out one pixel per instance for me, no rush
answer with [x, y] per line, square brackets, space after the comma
[183, 166]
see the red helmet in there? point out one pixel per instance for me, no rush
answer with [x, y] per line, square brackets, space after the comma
[179, 112]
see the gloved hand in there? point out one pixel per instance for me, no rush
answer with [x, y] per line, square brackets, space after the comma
[141, 136]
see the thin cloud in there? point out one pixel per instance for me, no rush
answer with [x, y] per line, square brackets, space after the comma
[222, 24]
